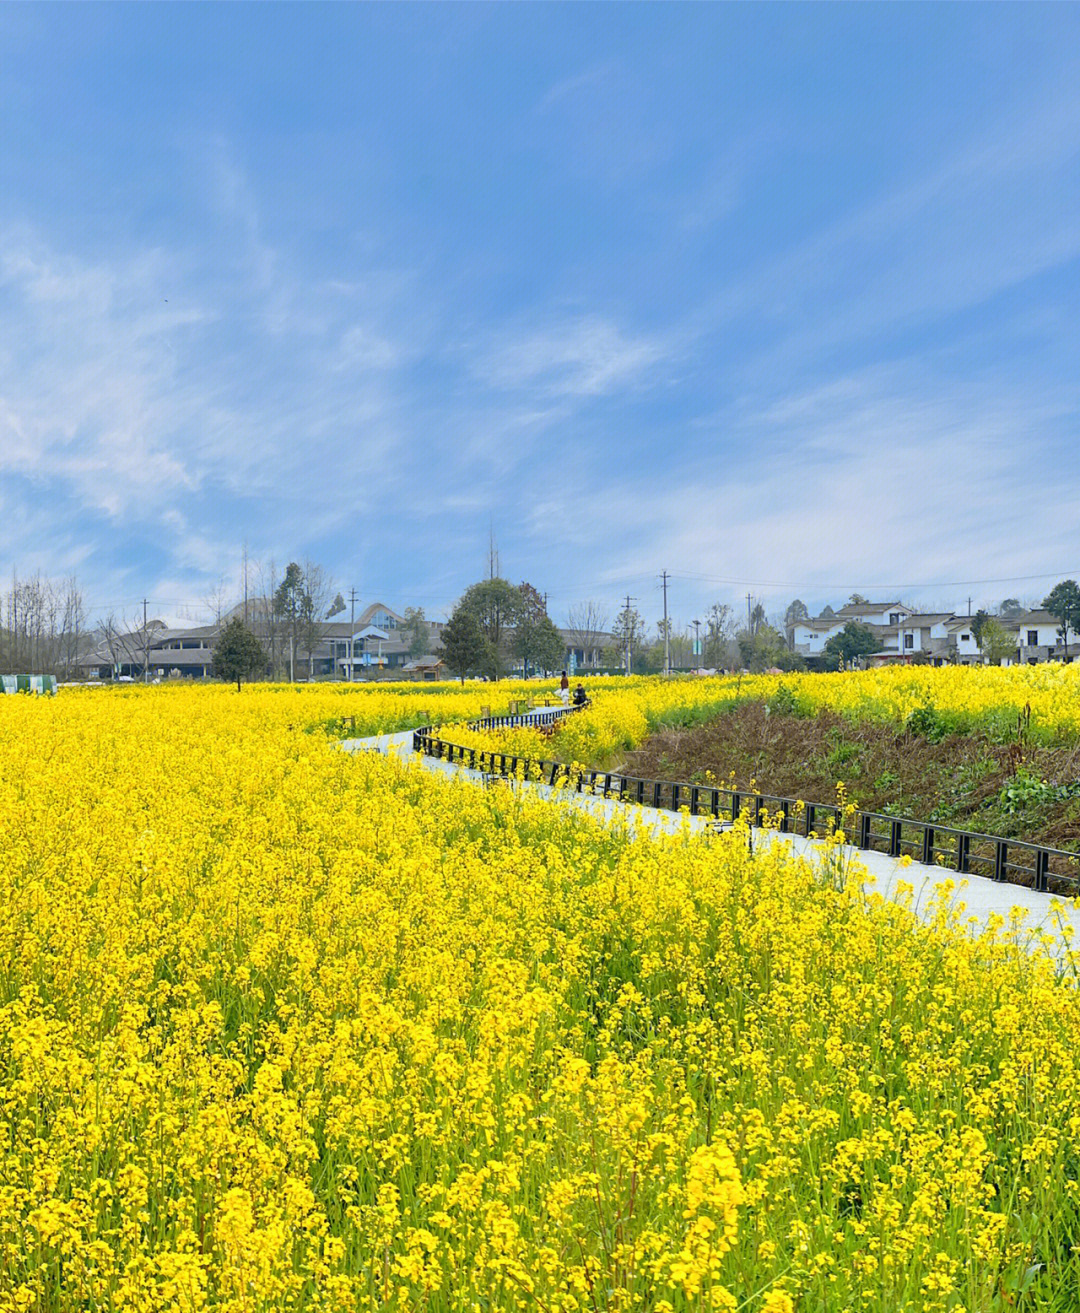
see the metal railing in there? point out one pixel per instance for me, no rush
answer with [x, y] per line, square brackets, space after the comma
[967, 852]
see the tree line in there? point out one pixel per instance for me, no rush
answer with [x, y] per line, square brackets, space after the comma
[43, 627]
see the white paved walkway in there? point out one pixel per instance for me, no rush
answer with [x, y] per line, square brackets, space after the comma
[980, 897]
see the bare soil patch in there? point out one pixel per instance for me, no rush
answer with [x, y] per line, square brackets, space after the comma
[1014, 790]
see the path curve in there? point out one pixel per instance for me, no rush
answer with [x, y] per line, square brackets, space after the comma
[979, 897]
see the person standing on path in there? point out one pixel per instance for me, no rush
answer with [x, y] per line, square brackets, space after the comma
[564, 690]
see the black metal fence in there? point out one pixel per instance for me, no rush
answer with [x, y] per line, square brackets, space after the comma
[966, 852]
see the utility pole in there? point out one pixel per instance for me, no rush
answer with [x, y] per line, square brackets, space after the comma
[667, 636]
[969, 606]
[697, 639]
[352, 634]
[146, 646]
[245, 583]
[626, 627]
[749, 622]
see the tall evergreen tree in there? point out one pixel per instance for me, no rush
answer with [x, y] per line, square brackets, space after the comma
[464, 647]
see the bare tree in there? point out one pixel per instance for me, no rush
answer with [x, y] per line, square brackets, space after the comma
[72, 634]
[263, 617]
[318, 602]
[40, 624]
[123, 643]
[216, 602]
[586, 623]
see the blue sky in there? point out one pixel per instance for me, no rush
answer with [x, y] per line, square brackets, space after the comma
[778, 299]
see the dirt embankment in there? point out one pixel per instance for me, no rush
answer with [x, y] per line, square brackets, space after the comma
[1014, 790]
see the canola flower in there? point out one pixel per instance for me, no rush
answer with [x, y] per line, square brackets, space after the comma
[284, 1028]
[1040, 702]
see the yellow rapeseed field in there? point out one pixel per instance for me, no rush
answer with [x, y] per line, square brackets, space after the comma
[1045, 699]
[287, 1028]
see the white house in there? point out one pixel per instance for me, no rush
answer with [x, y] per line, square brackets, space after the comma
[1039, 638]
[874, 613]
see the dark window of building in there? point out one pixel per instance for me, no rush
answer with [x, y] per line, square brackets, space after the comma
[909, 641]
[1033, 638]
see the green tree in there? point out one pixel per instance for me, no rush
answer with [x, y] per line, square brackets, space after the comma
[978, 620]
[797, 611]
[718, 627]
[1010, 608]
[238, 654]
[464, 647]
[498, 607]
[536, 640]
[540, 645]
[1063, 603]
[854, 640]
[290, 607]
[415, 631]
[995, 641]
[762, 648]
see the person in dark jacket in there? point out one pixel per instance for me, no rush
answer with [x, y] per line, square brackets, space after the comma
[581, 698]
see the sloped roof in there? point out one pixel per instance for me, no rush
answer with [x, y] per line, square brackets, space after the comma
[857, 608]
[364, 618]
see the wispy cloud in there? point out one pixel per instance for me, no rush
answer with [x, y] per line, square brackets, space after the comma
[582, 357]
[874, 478]
[987, 217]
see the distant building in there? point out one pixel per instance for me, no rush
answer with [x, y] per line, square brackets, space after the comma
[940, 638]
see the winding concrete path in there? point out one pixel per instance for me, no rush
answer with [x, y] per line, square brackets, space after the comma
[979, 897]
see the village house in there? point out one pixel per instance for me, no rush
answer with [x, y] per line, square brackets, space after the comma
[940, 638]
[374, 645]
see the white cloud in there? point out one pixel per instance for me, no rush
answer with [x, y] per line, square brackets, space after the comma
[583, 357]
[869, 480]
